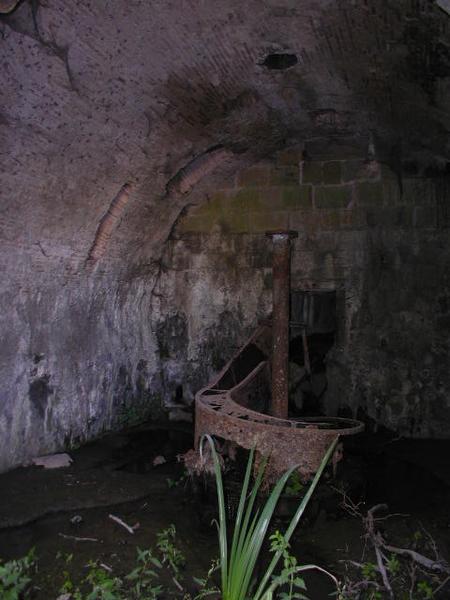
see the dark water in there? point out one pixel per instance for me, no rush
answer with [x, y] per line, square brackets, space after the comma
[410, 476]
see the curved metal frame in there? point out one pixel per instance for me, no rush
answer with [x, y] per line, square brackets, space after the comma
[286, 442]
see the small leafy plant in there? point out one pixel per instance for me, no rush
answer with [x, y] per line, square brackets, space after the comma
[206, 584]
[142, 583]
[288, 576]
[15, 577]
[294, 485]
[143, 577]
[369, 570]
[172, 483]
[103, 585]
[171, 555]
[425, 590]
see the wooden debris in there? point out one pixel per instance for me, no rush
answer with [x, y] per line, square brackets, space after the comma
[77, 539]
[130, 529]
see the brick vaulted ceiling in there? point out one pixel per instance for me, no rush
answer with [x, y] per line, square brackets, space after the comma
[103, 92]
[117, 115]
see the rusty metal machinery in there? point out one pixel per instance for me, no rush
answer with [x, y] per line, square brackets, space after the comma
[246, 405]
[281, 241]
[226, 409]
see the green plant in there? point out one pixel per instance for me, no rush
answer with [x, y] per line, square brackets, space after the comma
[67, 585]
[129, 415]
[98, 584]
[104, 586]
[171, 555]
[142, 583]
[425, 590]
[15, 577]
[294, 485]
[144, 575]
[288, 576]
[369, 570]
[237, 563]
[207, 588]
[172, 483]
[393, 565]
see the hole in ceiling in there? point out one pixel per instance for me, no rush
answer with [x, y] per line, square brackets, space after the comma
[280, 61]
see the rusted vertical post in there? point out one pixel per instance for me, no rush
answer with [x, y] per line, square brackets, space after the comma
[280, 321]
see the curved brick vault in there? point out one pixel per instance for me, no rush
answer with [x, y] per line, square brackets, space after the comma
[170, 100]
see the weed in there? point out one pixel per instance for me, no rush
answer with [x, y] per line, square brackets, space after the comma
[369, 570]
[15, 577]
[171, 555]
[393, 565]
[294, 485]
[104, 586]
[144, 576]
[100, 584]
[206, 585]
[288, 576]
[425, 590]
[172, 483]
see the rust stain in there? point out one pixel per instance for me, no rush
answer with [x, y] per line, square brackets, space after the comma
[7, 6]
[281, 241]
[228, 414]
[107, 224]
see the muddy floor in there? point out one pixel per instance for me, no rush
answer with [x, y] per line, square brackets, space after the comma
[67, 512]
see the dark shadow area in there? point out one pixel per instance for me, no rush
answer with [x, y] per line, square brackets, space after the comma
[411, 476]
[313, 330]
[280, 61]
[241, 366]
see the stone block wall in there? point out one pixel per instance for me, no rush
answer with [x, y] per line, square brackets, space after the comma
[375, 238]
[316, 196]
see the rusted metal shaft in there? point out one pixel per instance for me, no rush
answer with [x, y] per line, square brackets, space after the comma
[280, 321]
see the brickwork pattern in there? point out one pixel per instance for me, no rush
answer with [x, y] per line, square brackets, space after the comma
[312, 195]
